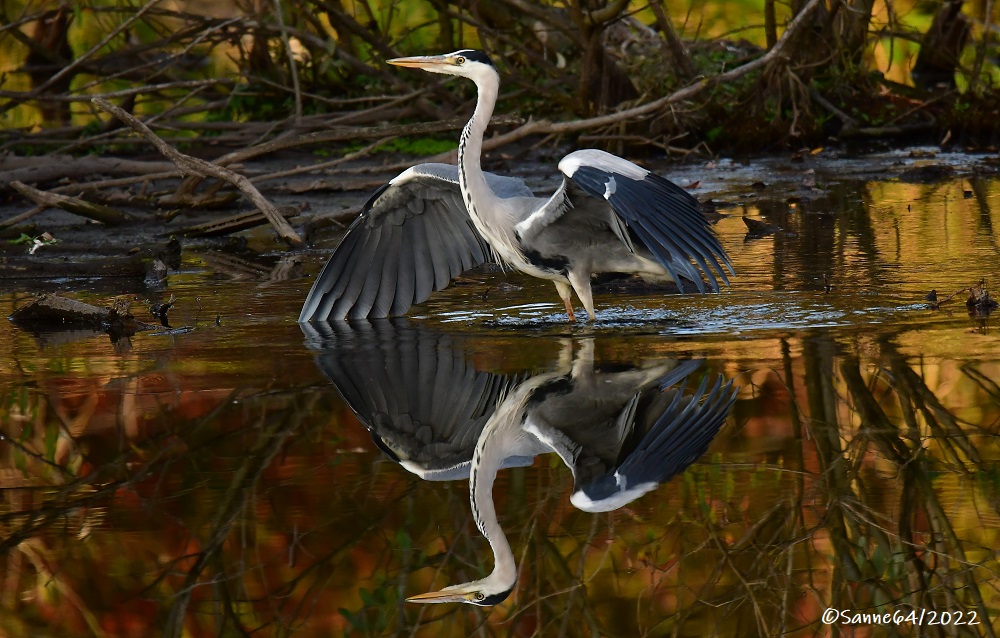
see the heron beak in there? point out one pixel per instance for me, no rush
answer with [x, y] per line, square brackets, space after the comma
[440, 597]
[423, 61]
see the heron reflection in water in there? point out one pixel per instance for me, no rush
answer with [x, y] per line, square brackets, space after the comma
[434, 221]
[622, 431]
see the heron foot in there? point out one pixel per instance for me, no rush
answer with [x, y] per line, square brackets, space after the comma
[569, 310]
[566, 294]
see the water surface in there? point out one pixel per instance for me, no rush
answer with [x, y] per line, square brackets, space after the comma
[213, 481]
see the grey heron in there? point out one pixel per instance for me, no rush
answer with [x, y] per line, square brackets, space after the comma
[434, 221]
[622, 430]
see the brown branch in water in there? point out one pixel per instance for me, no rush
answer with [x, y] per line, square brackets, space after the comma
[97, 212]
[188, 164]
[48, 311]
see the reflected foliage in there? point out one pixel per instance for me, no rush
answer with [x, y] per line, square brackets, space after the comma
[849, 482]
[216, 483]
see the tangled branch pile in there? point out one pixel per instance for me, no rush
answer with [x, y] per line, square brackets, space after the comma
[250, 70]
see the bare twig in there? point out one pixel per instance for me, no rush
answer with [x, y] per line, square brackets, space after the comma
[189, 164]
[103, 214]
[542, 127]
[94, 49]
[17, 219]
[340, 134]
[59, 167]
[323, 165]
[152, 88]
[674, 46]
[232, 224]
[981, 49]
[292, 67]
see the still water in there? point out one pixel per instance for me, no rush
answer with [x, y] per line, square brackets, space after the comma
[214, 481]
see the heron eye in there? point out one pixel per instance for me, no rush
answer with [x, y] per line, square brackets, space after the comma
[480, 595]
[459, 60]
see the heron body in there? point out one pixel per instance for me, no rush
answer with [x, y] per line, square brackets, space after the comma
[433, 221]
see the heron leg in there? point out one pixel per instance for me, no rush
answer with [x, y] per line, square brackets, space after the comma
[566, 293]
[581, 284]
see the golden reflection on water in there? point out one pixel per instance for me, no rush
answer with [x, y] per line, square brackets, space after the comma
[205, 482]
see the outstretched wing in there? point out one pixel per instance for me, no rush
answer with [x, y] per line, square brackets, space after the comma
[662, 216]
[415, 391]
[412, 238]
[682, 427]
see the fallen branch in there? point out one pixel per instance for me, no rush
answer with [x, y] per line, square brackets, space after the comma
[232, 224]
[338, 134]
[17, 219]
[34, 170]
[354, 133]
[147, 173]
[757, 228]
[97, 212]
[52, 312]
[188, 164]
[324, 165]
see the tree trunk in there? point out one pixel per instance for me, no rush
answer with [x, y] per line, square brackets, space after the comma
[941, 48]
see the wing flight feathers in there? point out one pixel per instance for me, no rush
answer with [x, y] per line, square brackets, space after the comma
[412, 238]
[680, 434]
[665, 217]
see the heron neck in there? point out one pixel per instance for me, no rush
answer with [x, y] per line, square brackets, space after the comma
[479, 197]
[486, 461]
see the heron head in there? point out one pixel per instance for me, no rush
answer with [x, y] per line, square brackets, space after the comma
[465, 62]
[480, 592]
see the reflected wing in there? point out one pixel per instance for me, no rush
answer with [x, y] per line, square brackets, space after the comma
[661, 215]
[588, 417]
[680, 431]
[422, 401]
[412, 238]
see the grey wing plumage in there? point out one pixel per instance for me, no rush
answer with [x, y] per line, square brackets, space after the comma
[413, 236]
[682, 428]
[421, 400]
[663, 216]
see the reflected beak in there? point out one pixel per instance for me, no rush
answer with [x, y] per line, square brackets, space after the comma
[440, 597]
[423, 61]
